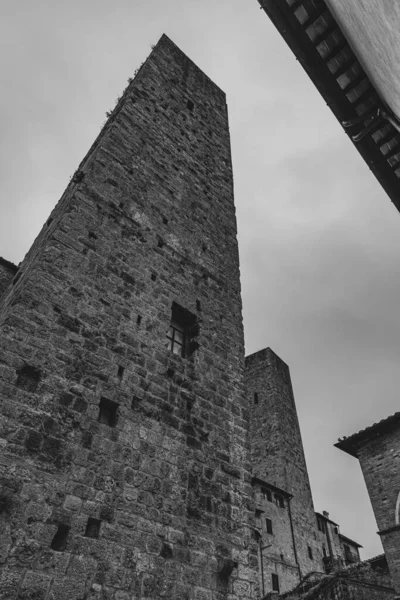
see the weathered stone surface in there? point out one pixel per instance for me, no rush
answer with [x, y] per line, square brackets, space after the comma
[7, 273]
[100, 420]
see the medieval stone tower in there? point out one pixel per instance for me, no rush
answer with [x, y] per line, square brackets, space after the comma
[278, 459]
[124, 456]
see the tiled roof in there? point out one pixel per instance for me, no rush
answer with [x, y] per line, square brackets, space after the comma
[351, 443]
[311, 31]
[347, 539]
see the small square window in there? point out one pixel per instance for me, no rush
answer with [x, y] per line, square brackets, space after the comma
[108, 412]
[92, 528]
[182, 331]
[275, 582]
[268, 524]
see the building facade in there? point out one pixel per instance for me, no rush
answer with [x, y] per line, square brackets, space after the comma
[378, 450]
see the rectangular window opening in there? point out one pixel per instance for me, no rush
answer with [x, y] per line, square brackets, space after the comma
[255, 398]
[120, 372]
[92, 528]
[108, 412]
[275, 582]
[310, 552]
[182, 332]
[59, 541]
[268, 524]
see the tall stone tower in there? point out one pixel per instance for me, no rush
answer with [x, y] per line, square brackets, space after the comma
[124, 460]
[277, 453]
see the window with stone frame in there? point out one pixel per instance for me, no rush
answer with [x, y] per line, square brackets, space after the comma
[266, 494]
[321, 525]
[268, 524]
[275, 582]
[183, 330]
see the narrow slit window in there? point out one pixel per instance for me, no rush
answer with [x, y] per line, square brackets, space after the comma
[275, 582]
[310, 553]
[255, 398]
[268, 524]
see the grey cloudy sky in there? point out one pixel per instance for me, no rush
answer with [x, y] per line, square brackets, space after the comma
[319, 239]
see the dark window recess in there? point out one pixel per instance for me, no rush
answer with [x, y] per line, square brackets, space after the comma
[92, 528]
[138, 320]
[336, 530]
[266, 494]
[190, 105]
[28, 378]
[135, 402]
[165, 221]
[59, 541]
[153, 276]
[268, 524]
[108, 412]
[321, 525]
[324, 551]
[255, 398]
[120, 372]
[279, 501]
[310, 553]
[182, 332]
[275, 582]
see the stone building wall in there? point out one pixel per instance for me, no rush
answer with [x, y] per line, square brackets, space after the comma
[379, 458]
[276, 549]
[124, 467]
[277, 453]
[7, 273]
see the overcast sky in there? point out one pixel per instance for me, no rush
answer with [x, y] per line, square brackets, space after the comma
[319, 239]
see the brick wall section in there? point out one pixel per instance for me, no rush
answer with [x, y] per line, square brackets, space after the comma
[148, 219]
[7, 274]
[380, 463]
[277, 451]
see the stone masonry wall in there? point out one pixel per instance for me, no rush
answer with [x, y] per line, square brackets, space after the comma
[7, 273]
[124, 468]
[380, 462]
[277, 451]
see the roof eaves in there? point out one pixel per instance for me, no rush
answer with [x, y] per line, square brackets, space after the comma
[315, 37]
